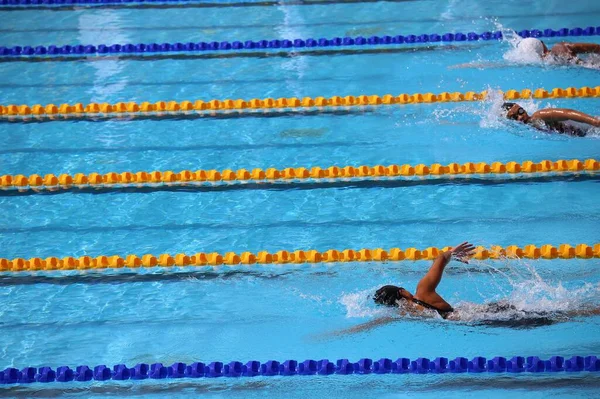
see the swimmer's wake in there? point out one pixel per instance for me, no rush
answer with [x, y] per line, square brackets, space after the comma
[532, 302]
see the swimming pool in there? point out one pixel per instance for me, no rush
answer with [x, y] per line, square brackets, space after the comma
[264, 312]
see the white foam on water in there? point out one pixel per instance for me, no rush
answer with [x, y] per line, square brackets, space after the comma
[520, 293]
[297, 67]
[594, 132]
[517, 293]
[108, 79]
[515, 54]
[591, 61]
[319, 299]
[519, 55]
[494, 116]
[361, 304]
[457, 115]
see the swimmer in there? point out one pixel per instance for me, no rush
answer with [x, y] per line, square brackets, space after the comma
[534, 51]
[551, 119]
[563, 51]
[426, 297]
[427, 303]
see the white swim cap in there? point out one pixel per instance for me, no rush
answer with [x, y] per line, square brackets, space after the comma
[531, 46]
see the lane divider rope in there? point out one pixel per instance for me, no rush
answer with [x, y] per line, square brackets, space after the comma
[563, 251]
[165, 108]
[210, 178]
[287, 45]
[439, 365]
[112, 3]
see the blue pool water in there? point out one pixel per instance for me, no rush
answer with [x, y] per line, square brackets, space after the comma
[293, 311]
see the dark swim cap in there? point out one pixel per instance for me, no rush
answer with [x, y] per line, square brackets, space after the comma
[388, 295]
[507, 106]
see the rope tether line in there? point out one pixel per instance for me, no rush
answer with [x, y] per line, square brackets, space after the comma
[563, 251]
[253, 368]
[228, 177]
[289, 45]
[16, 112]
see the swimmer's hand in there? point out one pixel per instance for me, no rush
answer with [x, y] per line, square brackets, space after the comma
[360, 328]
[462, 252]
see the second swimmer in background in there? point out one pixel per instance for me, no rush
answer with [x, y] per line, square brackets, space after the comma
[534, 51]
[560, 52]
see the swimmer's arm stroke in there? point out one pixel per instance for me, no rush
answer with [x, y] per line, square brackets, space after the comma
[376, 323]
[572, 50]
[368, 326]
[433, 277]
[583, 48]
[565, 114]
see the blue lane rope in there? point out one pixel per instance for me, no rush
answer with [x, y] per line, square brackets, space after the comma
[142, 371]
[287, 45]
[71, 3]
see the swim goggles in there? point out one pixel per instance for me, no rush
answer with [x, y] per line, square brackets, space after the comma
[520, 111]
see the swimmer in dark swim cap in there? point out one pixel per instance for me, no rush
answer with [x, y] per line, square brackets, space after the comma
[426, 297]
[426, 303]
[551, 119]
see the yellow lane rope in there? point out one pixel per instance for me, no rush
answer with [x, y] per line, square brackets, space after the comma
[159, 108]
[190, 178]
[563, 251]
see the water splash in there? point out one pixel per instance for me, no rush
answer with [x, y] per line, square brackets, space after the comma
[509, 35]
[491, 110]
[490, 113]
[360, 304]
[518, 55]
[591, 61]
[518, 297]
[594, 131]
[515, 54]
[460, 114]
[493, 116]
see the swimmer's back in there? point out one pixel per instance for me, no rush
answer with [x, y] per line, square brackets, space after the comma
[559, 127]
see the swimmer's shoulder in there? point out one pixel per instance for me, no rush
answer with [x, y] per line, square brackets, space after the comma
[562, 49]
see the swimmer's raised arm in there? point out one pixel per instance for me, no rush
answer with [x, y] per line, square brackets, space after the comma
[433, 277]
[565, 114]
